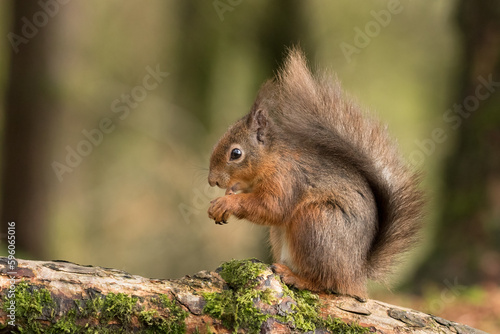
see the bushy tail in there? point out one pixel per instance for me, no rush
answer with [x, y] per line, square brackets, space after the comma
[400, 218]
[336, 122]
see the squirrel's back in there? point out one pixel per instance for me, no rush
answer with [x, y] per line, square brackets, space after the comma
[313, 109]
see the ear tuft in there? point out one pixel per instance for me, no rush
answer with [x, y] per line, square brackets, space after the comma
[258, 123]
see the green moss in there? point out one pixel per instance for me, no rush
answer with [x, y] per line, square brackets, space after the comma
[148, 317]
[335, 325]
[239, 273]
[117, 306]
[91, 307]
[236, 307]
[173, 322]
[306, 316]
[108, 307]
[66, 324]
[34, 304]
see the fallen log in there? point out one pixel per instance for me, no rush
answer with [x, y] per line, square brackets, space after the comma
[240, 296]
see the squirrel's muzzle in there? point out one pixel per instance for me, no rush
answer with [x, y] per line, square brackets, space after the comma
[212, 180]
[213, 183]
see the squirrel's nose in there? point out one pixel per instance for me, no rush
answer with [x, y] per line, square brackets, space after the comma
[212, 181]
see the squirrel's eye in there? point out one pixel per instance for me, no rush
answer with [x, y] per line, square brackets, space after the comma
[235, 154]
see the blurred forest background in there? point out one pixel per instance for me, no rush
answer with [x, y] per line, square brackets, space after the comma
[109, 111]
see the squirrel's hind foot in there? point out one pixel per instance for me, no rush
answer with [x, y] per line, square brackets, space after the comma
[289, 278]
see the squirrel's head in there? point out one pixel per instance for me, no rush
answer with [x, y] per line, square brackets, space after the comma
[237, 157]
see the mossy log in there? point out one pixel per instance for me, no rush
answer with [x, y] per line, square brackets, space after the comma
[240, 296]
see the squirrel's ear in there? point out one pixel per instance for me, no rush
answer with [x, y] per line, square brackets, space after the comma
[258, 123]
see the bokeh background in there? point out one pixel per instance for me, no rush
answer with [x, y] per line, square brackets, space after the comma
[109, 111]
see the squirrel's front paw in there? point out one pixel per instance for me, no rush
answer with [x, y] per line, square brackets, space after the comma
[220, 210]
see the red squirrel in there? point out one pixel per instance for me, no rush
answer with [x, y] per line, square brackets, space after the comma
[326, 178]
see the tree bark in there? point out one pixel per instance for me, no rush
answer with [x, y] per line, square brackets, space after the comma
[62, 297]
[470, 217]
[29, 114]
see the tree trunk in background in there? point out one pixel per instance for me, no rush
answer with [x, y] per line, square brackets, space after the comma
[283, 26]
[467, 245]
[195, 57]
[28, 116]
